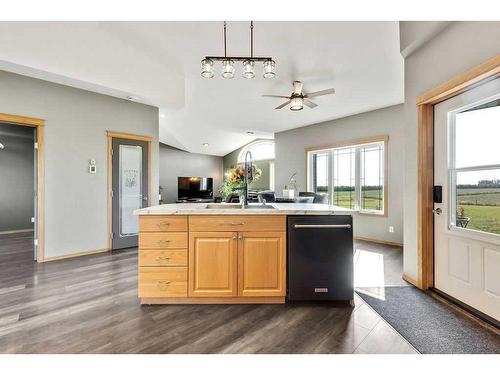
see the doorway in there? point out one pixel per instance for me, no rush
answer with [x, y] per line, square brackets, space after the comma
[22, 194]
[129, 183]
[467, 215]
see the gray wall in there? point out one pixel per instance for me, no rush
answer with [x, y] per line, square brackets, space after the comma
[177, 163]
[290, 158]
[460, 46]
[231, 160]
[75, 131]
[17, 177]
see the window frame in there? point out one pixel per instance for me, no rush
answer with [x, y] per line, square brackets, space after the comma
[248, 147]
[453, 171]
[358, 143]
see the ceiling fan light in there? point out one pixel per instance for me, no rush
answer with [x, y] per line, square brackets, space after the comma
[269, 69]
[228, 69]
[297, 104]
[248, 69]
[207, 68]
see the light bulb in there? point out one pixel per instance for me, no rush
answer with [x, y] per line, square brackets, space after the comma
[207, 68]
[269, 69]
[248, 69]
[227, 69]
[296, 104]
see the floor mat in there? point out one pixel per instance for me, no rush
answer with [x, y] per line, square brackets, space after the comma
[428, 324]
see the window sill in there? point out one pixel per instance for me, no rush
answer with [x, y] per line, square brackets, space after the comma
[372, 213]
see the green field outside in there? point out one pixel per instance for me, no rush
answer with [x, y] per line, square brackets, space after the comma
[482, 206]
[369, 199]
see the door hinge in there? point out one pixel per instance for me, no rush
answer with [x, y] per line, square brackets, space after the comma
[111, 152]
[36, 145]
[35, 242]
[111, 193]
[111, 235]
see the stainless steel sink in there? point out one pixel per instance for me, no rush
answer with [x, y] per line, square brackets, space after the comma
[236, 206]
[222, 206]
[260, 207]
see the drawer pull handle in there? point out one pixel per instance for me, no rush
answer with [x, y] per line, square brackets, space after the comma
[236, 223]
[348, 226]
[162, 258]
[163, 223]
[163, 285]
[159, 242]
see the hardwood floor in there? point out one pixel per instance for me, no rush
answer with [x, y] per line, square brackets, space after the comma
[89, 305]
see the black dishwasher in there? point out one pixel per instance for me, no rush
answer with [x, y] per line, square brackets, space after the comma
[320, 258]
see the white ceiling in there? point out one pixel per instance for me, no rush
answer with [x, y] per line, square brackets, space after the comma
[159, 62]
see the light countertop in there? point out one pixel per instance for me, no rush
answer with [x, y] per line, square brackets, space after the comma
[235, 209]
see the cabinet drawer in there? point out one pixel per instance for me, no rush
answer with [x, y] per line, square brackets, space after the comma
[163, 223]
[163, 240]
[148, 258]
[162, 282]
[237, 223]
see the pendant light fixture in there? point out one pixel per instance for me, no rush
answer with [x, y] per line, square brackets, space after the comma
[228, 68]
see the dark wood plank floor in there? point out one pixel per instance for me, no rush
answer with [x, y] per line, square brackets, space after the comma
[89, 305]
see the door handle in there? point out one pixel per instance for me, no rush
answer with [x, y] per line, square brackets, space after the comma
[322, 226]
[438, 211]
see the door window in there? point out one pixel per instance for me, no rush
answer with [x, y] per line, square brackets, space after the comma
[130, 178]
[475, 168]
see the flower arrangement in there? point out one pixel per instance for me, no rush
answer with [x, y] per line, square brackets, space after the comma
[234, 180]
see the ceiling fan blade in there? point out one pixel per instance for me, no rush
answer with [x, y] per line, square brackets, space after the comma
[319, 93]
[309, 103]
[275, 96]
[283, 105]
[297, 87]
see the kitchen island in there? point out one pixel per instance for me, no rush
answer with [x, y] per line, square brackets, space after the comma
[217, 253]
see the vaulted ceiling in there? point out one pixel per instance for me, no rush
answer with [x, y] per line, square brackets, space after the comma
[159, 63]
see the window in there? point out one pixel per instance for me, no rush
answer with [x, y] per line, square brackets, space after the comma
[475, 168]
[344, 177]
[261, 150]
[352, 176]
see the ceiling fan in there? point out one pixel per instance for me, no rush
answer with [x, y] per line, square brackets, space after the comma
[298, 97]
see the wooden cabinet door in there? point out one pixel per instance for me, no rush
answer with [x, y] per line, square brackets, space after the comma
[262, 264]
[213, 264]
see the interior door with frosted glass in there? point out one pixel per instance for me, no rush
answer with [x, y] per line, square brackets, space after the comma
[130, 189]
[467, 222]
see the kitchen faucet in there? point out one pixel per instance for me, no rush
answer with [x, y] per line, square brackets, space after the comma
[248, 177]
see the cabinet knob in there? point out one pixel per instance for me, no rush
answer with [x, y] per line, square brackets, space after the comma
[240, 237]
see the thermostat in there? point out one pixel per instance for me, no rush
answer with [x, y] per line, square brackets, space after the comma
[92, 166]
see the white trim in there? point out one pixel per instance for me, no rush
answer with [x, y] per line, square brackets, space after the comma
[357, 172]
[248, 147]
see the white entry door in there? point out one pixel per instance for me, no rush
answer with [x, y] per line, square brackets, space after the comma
[467, 222]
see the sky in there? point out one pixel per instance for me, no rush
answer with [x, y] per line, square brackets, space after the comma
[478, 143]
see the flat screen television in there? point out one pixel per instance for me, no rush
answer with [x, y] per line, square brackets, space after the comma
[195, 188]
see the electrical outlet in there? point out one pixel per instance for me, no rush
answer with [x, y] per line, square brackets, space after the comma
[391, 229]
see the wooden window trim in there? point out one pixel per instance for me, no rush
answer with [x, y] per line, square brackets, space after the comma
[473, 77]
[39, 124]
